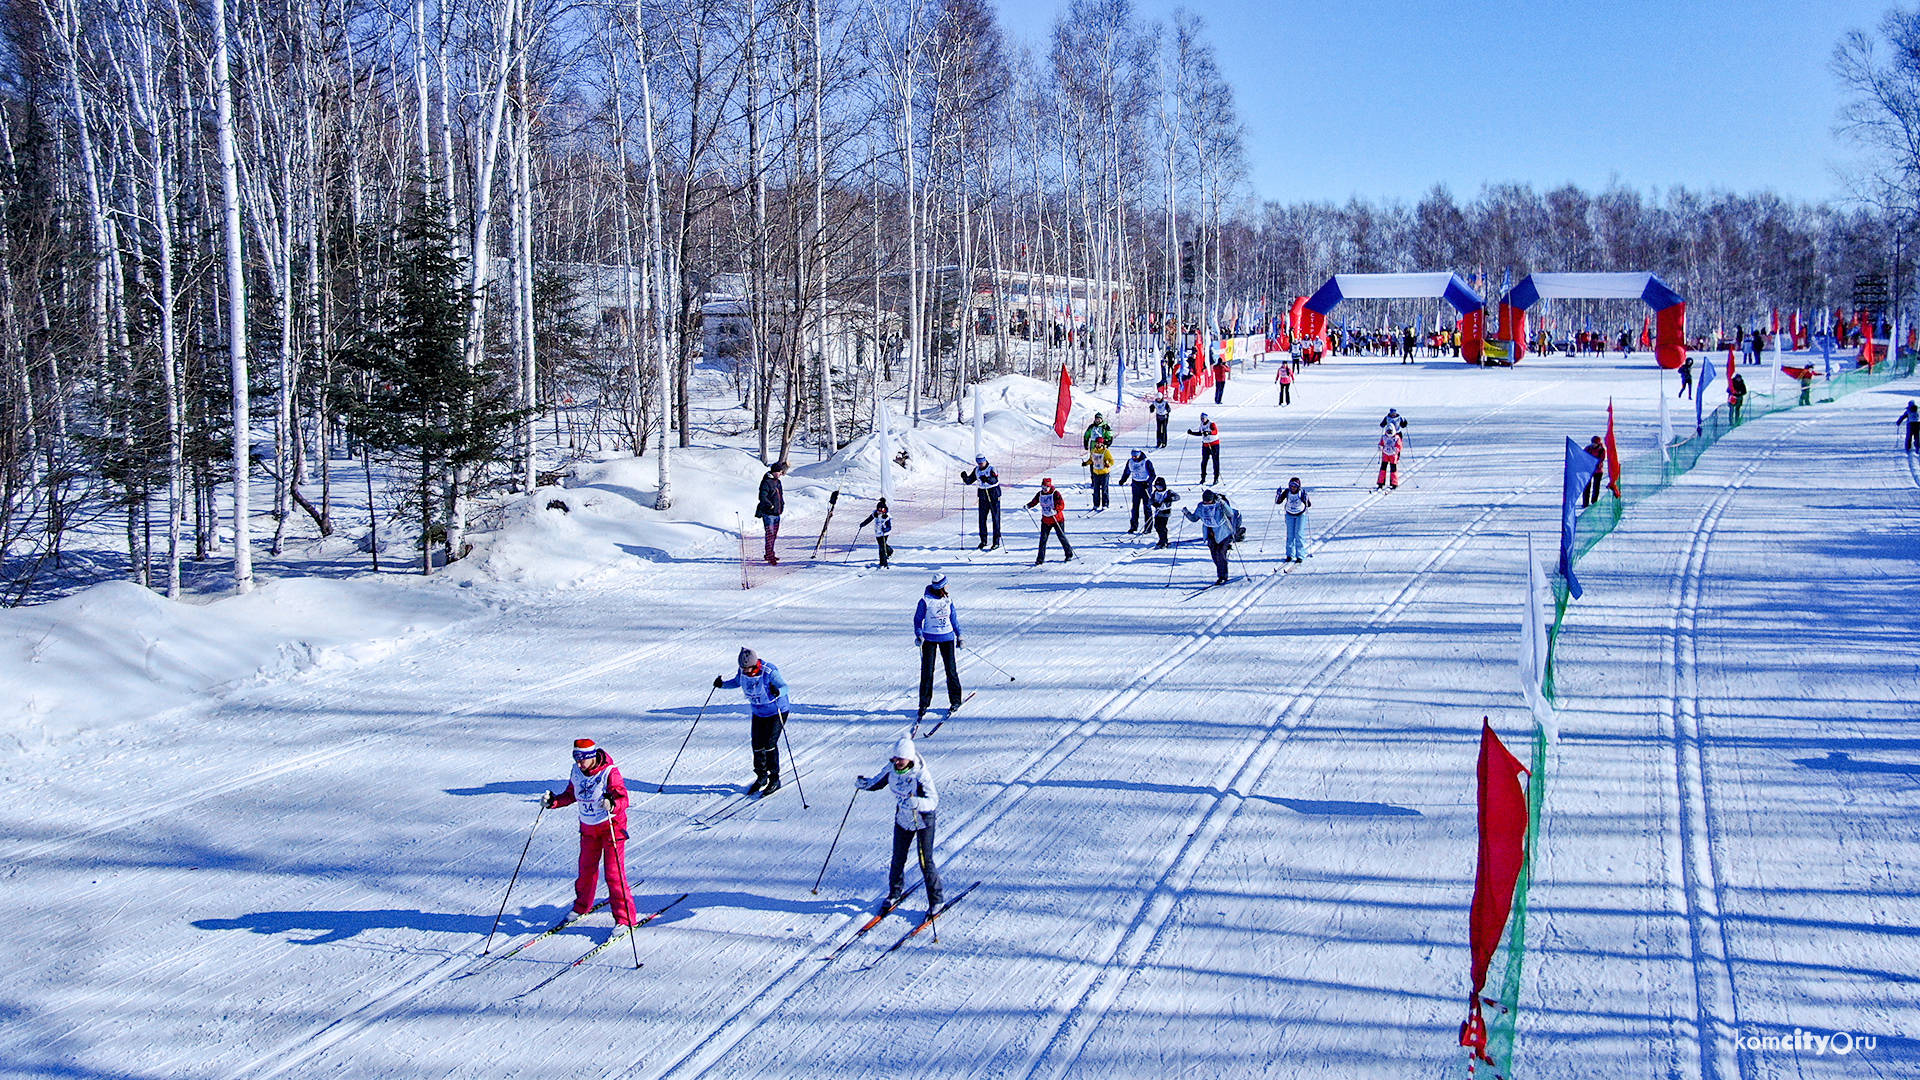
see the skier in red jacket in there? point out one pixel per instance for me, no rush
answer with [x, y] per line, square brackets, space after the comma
[1053, 519]
[596, 786]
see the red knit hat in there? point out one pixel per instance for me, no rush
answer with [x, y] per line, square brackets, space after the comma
[585, 746]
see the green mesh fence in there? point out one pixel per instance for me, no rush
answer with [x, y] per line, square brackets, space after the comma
[1640, 477]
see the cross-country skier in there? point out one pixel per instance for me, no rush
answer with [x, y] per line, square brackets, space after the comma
[766, 692]
[1053, 518]
[1099, 429]
[1216, 525]
[773, 503]
[1285, 378]
[986, 488]
[1393, 421]
[1911, 418]
[1293, 499]
[1686, 377]
[1161, 500]
[597, 787]
[1139, 475]
[1162, 408]
[882, 523]
[916, 803]
[1209, 433]
[1391, 443]
[936, 629]
[1100, 463]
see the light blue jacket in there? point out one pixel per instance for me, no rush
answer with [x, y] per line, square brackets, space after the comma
[766, 692]
[1213, 519]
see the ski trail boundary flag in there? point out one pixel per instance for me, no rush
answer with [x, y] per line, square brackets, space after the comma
[1063, 405]
[1503, 851]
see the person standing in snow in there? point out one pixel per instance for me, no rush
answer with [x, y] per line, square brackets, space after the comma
[1161, 501]
[986, 489]
[1806, 385]
[1216, 526]
[1391, 444]
[1393, 421]
[1285, 379]
[1293, 499]
[1596, 448]
[1053, 519]
[1911, 418]
[1209, 434]
[767, 694]
[1139, 475]
[600, 792]
[1099, 429]
[1686, 377]
[1221, 369]
[773, 503]
[1737, 395]
[1162, 409]
[882, 523]
[1100, 461]
[936, 629]
[916, 802]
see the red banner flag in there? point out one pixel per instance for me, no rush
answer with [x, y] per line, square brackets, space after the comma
[1646, 333]
[1503, 849]
[1867, 358]
[1064, 404]
[1729, 370]
[1613, 455]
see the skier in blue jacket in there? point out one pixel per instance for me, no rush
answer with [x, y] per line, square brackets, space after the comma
[936, 629]
[767, 695]
[1216, 525]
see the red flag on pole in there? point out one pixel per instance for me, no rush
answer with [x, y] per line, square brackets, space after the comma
[1613, 455]
[1729, 369]
[1063, 405]
[1867, 358]
[1646, 333]
[1503, 851]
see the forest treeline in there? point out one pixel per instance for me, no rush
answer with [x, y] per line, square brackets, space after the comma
[245, 248]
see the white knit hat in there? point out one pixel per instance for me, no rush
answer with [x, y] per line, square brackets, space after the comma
[904, 749]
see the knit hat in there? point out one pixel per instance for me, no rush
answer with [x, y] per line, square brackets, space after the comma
[904, 749]
[584, 747]
[1203, 418]
[939, 581]
[748, 658]
[1046, 481]
[1139, 453]
[1208, 495]
[980, 459]
[1160, 481]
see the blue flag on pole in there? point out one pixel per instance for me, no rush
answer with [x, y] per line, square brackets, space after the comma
[1580, 469]
[1119, 380]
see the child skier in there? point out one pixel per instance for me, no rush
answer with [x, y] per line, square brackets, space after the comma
[916, 802]
[936, 629]
[596, 786]
[1216, 526]
[1293, 498]
[1390, 445]
[1161, 501]
[882, 523]
[1161, 410]
[766, 691]
[1053, 519]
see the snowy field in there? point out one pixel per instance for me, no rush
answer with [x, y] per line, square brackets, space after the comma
[1217, 834]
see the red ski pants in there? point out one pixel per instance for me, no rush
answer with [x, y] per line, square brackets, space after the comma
[600, 847]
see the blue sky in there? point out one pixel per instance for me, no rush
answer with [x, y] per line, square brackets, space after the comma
[1385, 98]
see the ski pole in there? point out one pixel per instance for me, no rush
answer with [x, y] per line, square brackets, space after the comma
[835, 844]
[853, 545]
[795, 762]
[514, 878]
[685, 741]
[1268, 531]
[993, 665]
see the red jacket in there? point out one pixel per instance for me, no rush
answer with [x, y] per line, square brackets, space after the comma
[1059, 514]
[616, 787]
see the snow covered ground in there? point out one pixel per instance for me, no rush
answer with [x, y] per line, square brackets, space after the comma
[1218, 834]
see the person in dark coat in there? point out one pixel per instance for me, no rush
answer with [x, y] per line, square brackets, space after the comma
[773, 503]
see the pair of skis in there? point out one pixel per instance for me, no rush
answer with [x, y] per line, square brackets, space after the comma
[887, 909]
[914, 733]
[618, 935]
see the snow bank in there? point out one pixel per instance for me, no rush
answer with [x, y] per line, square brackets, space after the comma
[119, 652]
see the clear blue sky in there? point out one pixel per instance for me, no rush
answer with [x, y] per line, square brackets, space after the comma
[1385, 98]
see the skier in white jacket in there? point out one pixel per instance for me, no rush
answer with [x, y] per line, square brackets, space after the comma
[915, 803]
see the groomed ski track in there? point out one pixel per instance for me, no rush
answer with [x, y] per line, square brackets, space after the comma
[1226, 838]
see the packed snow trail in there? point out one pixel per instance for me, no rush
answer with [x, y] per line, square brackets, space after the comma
[1217, 838]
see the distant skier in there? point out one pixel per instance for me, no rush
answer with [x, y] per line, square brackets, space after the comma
[1161, 408]
[1294, 501]
[1053, 519]
[1737, 395]
[1221, 370]
[773, 503]
[1161, 501]
[1099, 429]
[1686, 377]
[1209, 435]
[1911, 418]
[1139, 476]
[916, 803]
[767, 693]
[1285, 378]
[1393, 421]
[1216, 526]
[1391, 443]
[597, 787]
[986, 489]
[1099, 462]
[936, 629]
[1596, 448]
[882, 523]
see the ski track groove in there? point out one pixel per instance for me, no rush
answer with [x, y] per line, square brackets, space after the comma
[733, 1029]
[1716, 1021]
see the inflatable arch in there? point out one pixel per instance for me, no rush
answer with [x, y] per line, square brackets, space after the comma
[1448, 287]
[1669, 307]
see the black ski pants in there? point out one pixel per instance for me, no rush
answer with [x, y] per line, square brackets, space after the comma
[1913, 437]
[1209, 452]
[945, 649]
[1160, 526]
[1218, 549]
[1160, 432]
[990, 510]
[1054, 527]
[903, 841]
[766, 744]
[1100, 489]
[1140, 490]
[886, 550]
